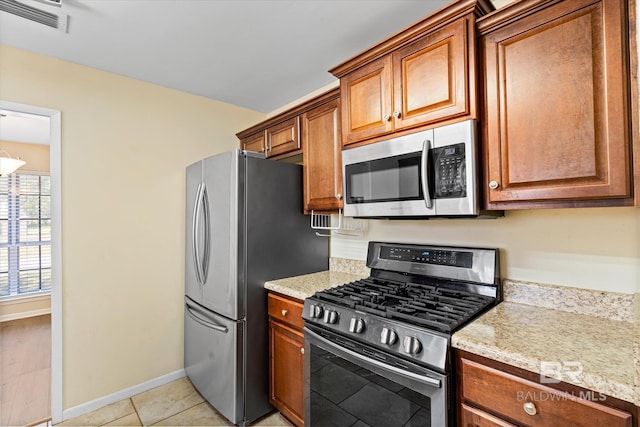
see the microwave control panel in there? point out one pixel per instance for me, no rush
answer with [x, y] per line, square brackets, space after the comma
[450, 171]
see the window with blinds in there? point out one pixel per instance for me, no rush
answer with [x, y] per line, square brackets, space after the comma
[25, 234]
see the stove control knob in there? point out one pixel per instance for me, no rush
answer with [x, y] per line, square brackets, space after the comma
[412, 345]
[388, 336]
[315, 311]
[330, 316]
[356, 325]
[333, 317]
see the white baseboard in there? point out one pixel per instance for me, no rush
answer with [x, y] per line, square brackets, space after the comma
[122, 394]
[24, 314]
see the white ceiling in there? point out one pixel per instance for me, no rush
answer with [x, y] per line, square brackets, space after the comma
[258, 54]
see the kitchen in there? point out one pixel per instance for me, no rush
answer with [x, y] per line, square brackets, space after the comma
[595, 248]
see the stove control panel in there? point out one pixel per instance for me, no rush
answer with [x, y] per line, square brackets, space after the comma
[389, 335]
[449, 258]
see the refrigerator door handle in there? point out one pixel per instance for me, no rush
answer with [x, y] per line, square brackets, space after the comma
[204, 262]
[203, 322]
[196, 232]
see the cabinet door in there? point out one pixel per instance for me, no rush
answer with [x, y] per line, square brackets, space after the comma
[253, 143]
[431, 78]
[287, 371]
[556, 125]
[283, 137]
[322, 148]
[367, 101]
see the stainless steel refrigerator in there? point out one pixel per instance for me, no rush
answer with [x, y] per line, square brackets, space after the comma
[244, 226]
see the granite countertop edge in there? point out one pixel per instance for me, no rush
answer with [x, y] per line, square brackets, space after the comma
[304, 286]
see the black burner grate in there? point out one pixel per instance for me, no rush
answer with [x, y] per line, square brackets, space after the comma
[429, 306]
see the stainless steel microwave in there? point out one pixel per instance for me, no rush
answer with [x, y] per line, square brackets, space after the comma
[429, 173]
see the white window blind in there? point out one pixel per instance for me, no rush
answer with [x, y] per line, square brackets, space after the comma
[25, 233]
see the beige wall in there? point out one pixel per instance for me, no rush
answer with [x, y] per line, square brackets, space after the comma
[594, 248]
[125, 146]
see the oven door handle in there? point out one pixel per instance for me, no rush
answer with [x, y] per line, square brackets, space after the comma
[424, 379]
[426, 147]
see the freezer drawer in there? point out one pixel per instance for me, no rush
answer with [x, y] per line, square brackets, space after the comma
[213, 359]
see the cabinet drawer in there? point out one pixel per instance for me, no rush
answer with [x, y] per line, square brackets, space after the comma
[286, 310]
[507, 395]
[473, 417]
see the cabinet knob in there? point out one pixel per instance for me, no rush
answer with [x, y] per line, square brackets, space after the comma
[284, 312]
[530, 408]
[302, 350]
[338, 196]
[493, 185]
[396, 114]
[386, 117]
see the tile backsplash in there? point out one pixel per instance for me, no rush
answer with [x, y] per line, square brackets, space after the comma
[609, 305]
[352, 266]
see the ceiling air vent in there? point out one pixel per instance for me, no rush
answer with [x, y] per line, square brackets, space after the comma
[53, 20]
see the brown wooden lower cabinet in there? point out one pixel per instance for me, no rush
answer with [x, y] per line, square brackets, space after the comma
[286, 357]
[475, 417]
[493, 394]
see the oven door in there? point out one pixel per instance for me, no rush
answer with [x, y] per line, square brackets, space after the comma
[348, 383]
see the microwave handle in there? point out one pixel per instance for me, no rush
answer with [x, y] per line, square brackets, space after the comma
[425, 173]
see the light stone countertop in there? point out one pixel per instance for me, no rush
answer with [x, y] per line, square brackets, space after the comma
[591, 352]
[304, 286]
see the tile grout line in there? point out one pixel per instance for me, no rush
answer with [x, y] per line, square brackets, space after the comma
[135, 410]
[184, 410]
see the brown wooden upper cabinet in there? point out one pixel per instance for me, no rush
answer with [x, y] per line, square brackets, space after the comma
[254, 142]
[322, 157]
[281, 139]
[313, 130]
[423, 75]
[557, 117]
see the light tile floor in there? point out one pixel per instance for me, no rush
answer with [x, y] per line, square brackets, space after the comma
[175, 404]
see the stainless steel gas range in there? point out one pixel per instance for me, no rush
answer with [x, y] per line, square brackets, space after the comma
[378, 352]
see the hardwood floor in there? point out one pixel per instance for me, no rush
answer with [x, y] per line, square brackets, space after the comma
[25, 371]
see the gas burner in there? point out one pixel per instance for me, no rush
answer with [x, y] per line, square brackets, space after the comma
[430, 306]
